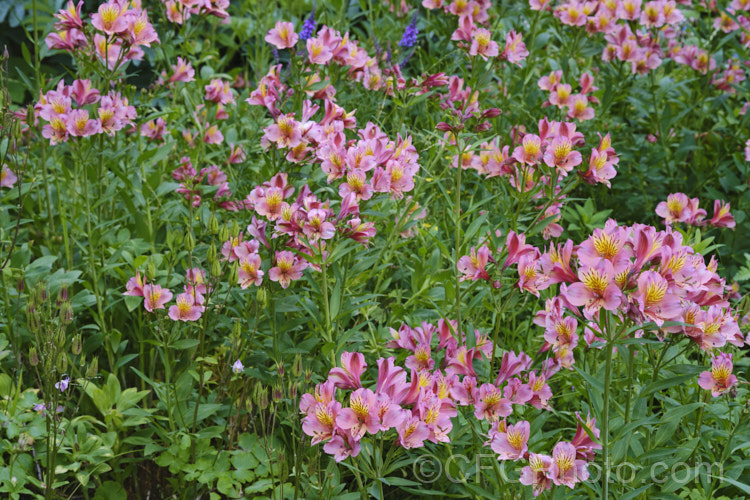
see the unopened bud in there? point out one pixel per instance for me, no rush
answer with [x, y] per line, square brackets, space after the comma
[150, 270]
[178, 238]
[211, 253]
[77, 345]
[234, 275]
[292, 389]
[280, 368]
[33, 356]
[249, 405]
[189, 242]
[297, 366]
[216, 268]
[224, 233]
[213, 225]
[93, 368]
[66, 313]
[277, 393]
[262, 298]
[63, 295]
[263, 398]
[62, 364]
[235, 229]
[237, 329]
[308, 375]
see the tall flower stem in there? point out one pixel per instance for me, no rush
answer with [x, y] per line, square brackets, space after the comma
[327, 309]
[605, 416]
[458, 237]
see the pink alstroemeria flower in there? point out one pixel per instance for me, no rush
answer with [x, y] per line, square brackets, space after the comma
[134, 286]
[7, 177]
[353, 365]
[596, 289]
[722, 217]
[155, 297]
[110, 18]
[282, 36]
[473, 267]
[490, 403]
[360, 417]
[288, 268]
[720, 379]
[186, 308]
[510, 444]
[536, 473]
[566, 469]
[250, 272]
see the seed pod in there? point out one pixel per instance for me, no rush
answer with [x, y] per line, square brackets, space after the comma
[297, 366]
[150, 270]
[215, 268]
[211, 254]
[62, 364]
[237, 329]
[66, 313]
[262, 297]
[234, 275]
[33, 357]
[213, 224]
[93, 369]
[77, 345]
[224, 233]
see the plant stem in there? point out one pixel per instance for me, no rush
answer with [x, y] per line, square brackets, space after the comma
[605, 417]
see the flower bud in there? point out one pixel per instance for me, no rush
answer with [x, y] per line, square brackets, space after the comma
[263, 398]
[277, 393]
[224, 233]
[234, 275]
[66, 313]
[211, 254]
[262, 297]
[76, 346]
[20, 286]
[237, 329]
[308, 375]
[235, 229]
[150, 270]
[292, 389]
[297, 366]
[178, 238]
[280, 368]
[33, 357]
[213, 225]
[216, 268]
[62, 364]
[189, 242]
[249, 405]
[93, 369]
[63, 295]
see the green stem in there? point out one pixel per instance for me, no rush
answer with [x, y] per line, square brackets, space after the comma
[605, 418]
[327, 310]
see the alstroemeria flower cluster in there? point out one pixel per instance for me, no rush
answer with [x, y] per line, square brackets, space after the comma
[372, 164]
[179, 11]
[64, 121]
[189, 305]
[640, 275]
[115, 33]
[568, 464]
[561, 96]
[191, 182]
[680, 209]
